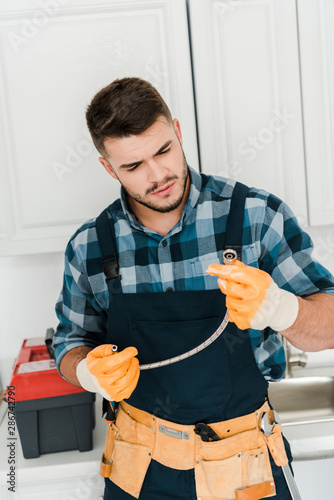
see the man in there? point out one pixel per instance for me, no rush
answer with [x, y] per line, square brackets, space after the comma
[137, 291]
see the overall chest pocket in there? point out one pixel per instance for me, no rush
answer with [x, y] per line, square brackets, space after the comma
[196, 269]
[199, 266]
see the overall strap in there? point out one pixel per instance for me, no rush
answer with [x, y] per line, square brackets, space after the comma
[105, 230]
[235, 220]
[107, 240]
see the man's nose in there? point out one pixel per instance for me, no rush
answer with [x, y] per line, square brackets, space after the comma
[156, 172]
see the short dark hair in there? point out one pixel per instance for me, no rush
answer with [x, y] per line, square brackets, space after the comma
[127, 106]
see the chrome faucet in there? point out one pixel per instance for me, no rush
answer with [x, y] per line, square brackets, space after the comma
[292, 359]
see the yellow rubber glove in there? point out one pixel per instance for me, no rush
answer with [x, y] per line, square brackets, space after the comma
[114, 375]
[253, 298]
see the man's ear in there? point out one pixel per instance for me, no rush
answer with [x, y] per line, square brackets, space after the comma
[177, 128]
[108, 167]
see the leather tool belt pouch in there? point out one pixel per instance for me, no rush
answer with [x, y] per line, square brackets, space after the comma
[237, 467]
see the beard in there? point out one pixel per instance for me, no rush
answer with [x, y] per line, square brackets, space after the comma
[169, 207]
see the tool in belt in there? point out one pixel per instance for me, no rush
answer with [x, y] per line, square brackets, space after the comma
[247, 439]
[267, 428]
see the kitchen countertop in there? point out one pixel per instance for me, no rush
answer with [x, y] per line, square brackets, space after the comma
[310, 441]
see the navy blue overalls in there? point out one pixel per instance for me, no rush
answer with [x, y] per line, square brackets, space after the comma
[221, 382]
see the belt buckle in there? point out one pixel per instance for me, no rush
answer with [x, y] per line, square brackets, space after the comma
[173, 433]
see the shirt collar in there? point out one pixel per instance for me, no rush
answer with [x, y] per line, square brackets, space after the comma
[195, 189]
[128, 212]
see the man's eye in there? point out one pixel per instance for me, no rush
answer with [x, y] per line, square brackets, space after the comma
[133, 168]
[164, 152]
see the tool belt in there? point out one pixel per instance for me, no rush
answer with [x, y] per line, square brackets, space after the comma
[237, 467]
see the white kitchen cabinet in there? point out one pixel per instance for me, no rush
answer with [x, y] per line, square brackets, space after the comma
[248, 94]
[55, 55]
[316, 20]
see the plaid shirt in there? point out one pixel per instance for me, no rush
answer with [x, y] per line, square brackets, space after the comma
[149, 262]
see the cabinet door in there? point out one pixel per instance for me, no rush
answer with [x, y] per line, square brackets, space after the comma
[247, 82]
[316, 20]
[55, 55]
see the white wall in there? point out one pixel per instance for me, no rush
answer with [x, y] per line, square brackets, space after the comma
[30, 285]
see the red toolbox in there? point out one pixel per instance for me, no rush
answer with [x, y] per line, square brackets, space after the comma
[51, 414]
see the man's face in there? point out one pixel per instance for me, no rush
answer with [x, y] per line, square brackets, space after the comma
[151, 166]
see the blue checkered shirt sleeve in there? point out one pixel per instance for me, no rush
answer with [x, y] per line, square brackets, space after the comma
[275, 242]
[82, 320]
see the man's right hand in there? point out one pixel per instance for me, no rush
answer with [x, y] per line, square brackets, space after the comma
[114, 375]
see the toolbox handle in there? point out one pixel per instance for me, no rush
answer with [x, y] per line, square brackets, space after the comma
[48, 342]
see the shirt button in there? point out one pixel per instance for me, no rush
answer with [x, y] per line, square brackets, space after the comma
[169, 289]
[164, 243]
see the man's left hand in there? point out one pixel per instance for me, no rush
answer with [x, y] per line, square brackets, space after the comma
[253, 298]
